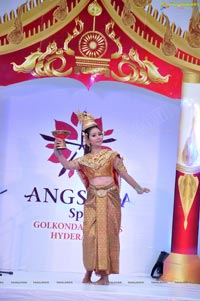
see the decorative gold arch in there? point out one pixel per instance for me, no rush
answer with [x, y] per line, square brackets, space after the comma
[107, 38]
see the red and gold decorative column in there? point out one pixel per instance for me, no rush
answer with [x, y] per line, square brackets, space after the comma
[183, 264]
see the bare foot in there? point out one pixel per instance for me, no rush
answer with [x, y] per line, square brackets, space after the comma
[87, 277]
[102, 281]
[86, 280]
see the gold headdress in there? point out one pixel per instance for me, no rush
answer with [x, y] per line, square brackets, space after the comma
[87, 120]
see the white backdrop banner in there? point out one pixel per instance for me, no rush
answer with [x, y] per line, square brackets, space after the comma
[41, 208]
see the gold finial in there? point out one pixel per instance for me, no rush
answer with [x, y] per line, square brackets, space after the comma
[94, 9]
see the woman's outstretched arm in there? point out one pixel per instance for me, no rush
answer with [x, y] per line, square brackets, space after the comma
[119, 166]
[65, 163]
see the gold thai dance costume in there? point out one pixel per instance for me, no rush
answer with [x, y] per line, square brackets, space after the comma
[102, 212]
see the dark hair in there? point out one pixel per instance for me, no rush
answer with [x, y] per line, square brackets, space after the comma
[87, 148]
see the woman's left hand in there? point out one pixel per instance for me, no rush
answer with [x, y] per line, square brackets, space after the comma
[143, 190]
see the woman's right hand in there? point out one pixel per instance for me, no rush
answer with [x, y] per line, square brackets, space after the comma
[57, 143]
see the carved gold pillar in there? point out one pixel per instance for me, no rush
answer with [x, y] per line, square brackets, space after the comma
[183, 264]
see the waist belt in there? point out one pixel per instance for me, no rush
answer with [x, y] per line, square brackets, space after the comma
[102, 191]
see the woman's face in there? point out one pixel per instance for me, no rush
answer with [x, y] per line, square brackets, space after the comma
[95, 137]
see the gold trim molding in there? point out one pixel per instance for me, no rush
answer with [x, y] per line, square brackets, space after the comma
[191, 77]
[187, 169]
[181, 268]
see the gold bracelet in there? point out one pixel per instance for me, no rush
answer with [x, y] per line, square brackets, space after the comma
[138, 188]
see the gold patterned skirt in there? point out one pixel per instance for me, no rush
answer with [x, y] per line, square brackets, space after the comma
[101, 227]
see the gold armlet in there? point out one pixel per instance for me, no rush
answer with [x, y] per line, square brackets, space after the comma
[120, 166]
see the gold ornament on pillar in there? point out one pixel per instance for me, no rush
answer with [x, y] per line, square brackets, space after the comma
[187, 185]
[190, 152]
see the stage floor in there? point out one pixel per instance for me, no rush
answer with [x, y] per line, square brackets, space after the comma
[53, 286]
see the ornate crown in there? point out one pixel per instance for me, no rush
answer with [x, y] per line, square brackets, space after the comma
[87, 120]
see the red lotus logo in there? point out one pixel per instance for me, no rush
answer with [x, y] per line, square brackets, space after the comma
[73, 136]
